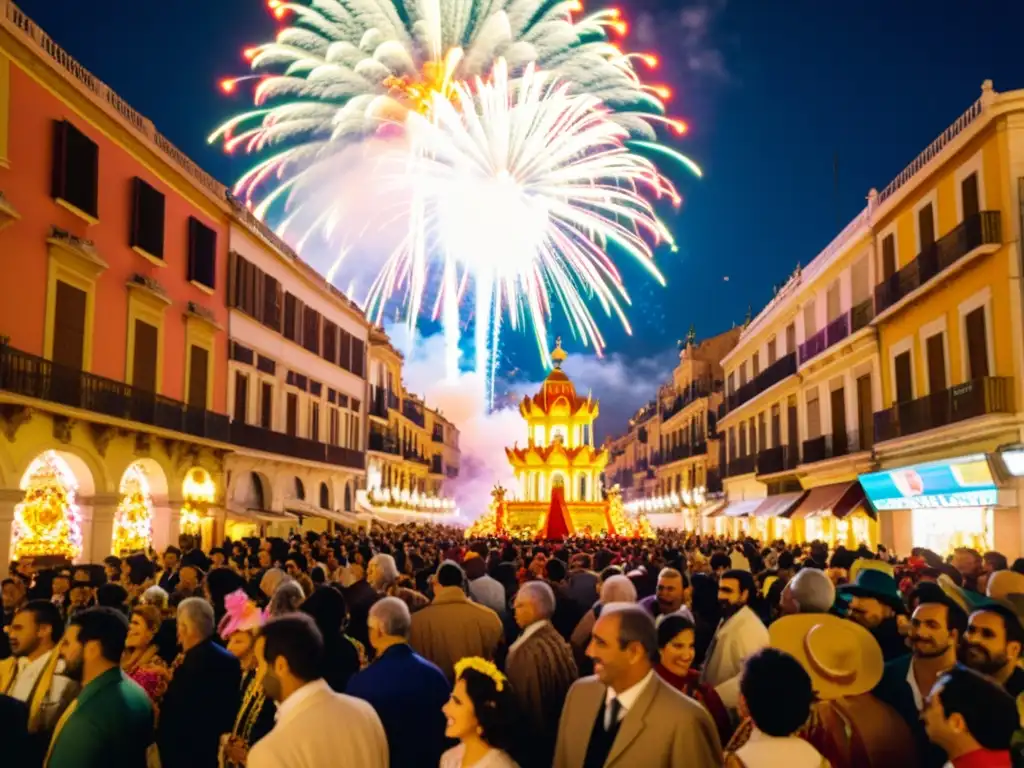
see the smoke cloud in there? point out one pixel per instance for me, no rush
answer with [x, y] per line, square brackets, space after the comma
[621, 386]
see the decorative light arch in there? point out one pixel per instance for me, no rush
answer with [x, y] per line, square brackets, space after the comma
[47, 523]
[133, 522]
[199, 493]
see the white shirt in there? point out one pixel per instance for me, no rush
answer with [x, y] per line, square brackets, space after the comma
[526, 633]
[29, 671]
[299, 696]
[626, 699]
[912, 682]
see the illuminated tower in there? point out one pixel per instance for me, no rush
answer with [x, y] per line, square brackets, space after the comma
[560, 450]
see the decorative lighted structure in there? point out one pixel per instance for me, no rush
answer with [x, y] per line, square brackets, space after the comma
[199, 493]
[133, 523]
[47, 523]
[558, 472]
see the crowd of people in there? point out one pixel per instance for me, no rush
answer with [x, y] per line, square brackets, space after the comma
[413, 646]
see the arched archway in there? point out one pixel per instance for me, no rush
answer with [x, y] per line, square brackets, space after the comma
[325, 496]
[300, 490]
[133, 521]
[256, 495]
[47, 523]
[348, 497]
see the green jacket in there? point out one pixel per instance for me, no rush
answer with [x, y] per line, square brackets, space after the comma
[112, 724]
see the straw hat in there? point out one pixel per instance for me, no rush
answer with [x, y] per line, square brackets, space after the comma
[842, 658]
[866, 563]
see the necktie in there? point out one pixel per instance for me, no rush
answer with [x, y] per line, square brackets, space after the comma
[611, 718]
[56, 731]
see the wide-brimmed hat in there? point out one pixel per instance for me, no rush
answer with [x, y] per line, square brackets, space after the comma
[869, 563]
[876, 584]
[841, 656]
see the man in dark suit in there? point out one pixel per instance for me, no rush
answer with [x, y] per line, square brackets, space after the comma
[203, 697]
[169, 577]
[405, 690]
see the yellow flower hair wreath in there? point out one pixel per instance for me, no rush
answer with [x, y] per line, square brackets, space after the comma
[482, 666]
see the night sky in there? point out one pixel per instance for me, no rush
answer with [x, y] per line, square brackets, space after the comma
[779, 94]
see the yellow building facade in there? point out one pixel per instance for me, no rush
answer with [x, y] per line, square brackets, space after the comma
[888, 370]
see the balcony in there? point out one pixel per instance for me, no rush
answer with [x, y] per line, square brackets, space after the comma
[641, 466]
[813, 347]
[436, 466]
[378, 405]
[413, 411]
[781, 369]
[411, 453]
[260, 439]
[655, 459]
[36, 377]
[964, 401]
[383, 442]
[437, 435]
[781, 458]
[714, 482]
[683, 399]
[393, 403]
[641, 435]
[832, 447]
[862, 315]
[740, 465]
[981, 229]
[833, 333]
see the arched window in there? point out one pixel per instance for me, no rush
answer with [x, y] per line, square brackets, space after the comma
[348, 497]
[300, 490]
[325, 497]
[256, 491]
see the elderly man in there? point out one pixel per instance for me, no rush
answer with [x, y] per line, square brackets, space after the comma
[452, 627]
[810, 591]
[382, 574]
[540, 667]
[670, 595]
[614, 589]
[405, 690]
[203, 696]
[626, 715]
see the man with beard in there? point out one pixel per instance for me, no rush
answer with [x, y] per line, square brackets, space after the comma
[111, 721]
[290, 652]
[670, 595]
[740, 634]
[34, 674]
[875, 602]
[203, 696]
[936, 627]
[992, 646]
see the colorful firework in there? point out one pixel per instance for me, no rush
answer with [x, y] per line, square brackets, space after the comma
[345, 71]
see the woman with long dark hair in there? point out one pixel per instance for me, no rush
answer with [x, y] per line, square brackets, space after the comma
[481, 715]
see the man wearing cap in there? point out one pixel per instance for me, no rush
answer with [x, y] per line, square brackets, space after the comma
[994, 641]
[936, 627]
[848, 725]
[874, 602]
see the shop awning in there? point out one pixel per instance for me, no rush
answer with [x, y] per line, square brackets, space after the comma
[961, 482]
[712, 509]
[779, 505]
[737, 508]
[259, 515]
[836, 499]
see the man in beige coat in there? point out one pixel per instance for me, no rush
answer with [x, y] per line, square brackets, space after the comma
[452, 627]
[315, 726]
[626, 716]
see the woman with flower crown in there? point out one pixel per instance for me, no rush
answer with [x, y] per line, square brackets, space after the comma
[481, 715]
[242, 620]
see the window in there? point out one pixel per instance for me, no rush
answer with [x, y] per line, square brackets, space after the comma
[332, 426]
[731, 387]
[832, 303]
[838, 402]
[762, 433]
[202, 253]
[771, 350]
[732, 443]
[144, 357]
[271, 316]
[267, 405]
[969, 197]
[311, 330]
[810, 322]
[358, 357]
[859, 282]
[329, 348]
[314, 420]
[345, 349]
[292, 313]
[977, 343]
[198, 376]
[926, 227]
[147, 233]
[242, 290]
[743, 373]
[813, 415]
[353, 426]
[791, 338]
[888, 256]
[69, 326]
[935, 348]
[904, 377]
[865, 412]
[292, 414]
[241, 397]
[756, 363]
[776, 425]
[76, 167]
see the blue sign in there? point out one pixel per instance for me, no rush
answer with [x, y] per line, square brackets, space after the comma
[962, 482]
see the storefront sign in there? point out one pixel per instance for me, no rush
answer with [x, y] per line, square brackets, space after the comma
[963, 482]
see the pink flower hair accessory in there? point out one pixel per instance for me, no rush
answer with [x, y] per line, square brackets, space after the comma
[242, 614]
